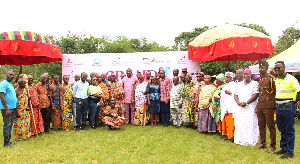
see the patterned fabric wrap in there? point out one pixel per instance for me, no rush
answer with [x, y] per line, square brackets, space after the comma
[21, 126]
[56, 111]
[67, 107]
[214, 108]
[116, 90]
[38, 119]
[113, 118]
[187, 96]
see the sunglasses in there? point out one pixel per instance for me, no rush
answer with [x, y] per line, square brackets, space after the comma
[277, 68]
[95, 80]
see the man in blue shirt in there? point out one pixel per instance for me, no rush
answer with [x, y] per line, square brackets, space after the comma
[80, 94]
[8, 105]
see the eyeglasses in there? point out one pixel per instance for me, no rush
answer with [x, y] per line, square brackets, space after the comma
[95, 80]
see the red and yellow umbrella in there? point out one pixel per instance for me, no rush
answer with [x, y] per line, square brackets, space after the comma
[230, 43]
[26, 48]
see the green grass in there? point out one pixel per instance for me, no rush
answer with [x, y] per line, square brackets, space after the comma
[136, 144]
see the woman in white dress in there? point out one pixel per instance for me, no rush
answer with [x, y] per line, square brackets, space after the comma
[246, 123]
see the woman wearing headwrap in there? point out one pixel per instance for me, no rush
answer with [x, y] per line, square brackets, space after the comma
[206, 121]
[246, 123]
[187, 99]
[139, 98]
[228, 106]
[215, 109]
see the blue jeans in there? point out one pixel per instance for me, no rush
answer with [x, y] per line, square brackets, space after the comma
[7, 126]
[94, 114]
[285, 117]
[81, 112]
[165, 113]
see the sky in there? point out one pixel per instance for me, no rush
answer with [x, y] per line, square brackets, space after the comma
[157, 20]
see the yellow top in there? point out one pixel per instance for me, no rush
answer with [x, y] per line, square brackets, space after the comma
[287, 87]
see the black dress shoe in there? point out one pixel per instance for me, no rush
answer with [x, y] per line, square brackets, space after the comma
[287, 155]
[279, 152]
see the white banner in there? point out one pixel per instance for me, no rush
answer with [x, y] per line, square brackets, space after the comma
[118, 63]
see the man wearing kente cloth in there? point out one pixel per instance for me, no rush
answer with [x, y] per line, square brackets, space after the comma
[36, 116]
[55, 103]
[103, 101]
[21, 126]
[113, 115]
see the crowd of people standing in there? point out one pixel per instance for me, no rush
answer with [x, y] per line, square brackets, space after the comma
[234, 105]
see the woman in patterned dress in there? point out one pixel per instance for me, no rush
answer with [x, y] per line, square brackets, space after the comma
[139, 96]
[153, 96]
[188, 105]
[65, 93]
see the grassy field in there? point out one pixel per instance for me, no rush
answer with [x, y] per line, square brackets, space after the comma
[135, 144]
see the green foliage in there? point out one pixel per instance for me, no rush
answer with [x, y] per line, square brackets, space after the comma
[290, 36]
[255, 27]
[182, 40]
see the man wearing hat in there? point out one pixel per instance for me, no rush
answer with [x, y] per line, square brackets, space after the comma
[266, 106]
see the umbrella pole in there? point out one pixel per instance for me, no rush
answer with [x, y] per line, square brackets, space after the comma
[228, 64]
[20, 65]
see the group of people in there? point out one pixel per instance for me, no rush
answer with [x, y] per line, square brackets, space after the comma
[236, 106]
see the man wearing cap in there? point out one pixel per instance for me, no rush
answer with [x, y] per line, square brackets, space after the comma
[287, 93]
[266, 106]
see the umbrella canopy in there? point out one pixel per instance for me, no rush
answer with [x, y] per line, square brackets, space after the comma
[290, 57]
[230, 43]
[26, 48]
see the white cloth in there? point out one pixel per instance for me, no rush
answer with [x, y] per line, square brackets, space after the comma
[175, 96]
[246, 123]
[227, 102]
[140, 97]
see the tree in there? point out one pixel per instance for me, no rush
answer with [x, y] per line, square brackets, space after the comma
[182, 40]
[290, 36]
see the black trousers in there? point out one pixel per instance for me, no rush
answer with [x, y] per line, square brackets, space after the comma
[46, 118]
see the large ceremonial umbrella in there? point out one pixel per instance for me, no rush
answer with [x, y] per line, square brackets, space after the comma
[230, 43]
[26, 48]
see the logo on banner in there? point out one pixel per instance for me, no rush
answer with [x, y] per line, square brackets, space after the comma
[68, 63]
[97, 62]
[148, 61]
[117, 62]
[182, 60]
